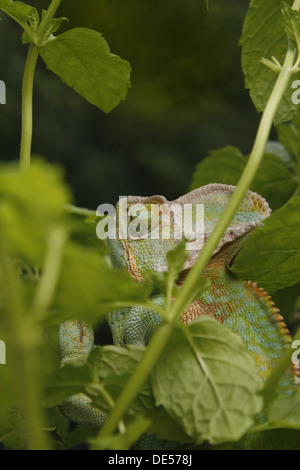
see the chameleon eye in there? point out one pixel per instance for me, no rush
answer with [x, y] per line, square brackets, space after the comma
[143, 219]
[139, 221]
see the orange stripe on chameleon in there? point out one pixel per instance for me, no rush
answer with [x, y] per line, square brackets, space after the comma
[199, 307]
[131, 262]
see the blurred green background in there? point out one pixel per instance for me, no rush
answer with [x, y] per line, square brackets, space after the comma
[187, 97]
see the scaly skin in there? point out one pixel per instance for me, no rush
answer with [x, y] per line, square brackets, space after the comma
[240, 305]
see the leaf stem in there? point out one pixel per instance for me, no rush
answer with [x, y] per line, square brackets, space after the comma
[243, 185]
[27, 91]
[79, 211]
[45, 23]
[296, 192]
[46, 287]
[23, 337]
[27, 85]
[22, 353]
[150, 357]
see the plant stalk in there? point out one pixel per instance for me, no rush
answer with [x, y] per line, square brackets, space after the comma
[45, 23]
[242, 187]
[23, 339]
[27, 92]
[27, 85]
[150, 357]
[22, 356]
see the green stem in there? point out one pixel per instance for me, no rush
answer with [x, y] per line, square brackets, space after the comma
[22, 355]
[162, 335]
[296, 192]
[27, 91]
[268, 427]
[243, 185]
[150, 357]
[79, 211]
[45, 23]
[27, 85]
[23, 338]
[46, 287]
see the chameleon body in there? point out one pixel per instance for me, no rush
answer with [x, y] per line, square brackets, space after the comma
[239, 304]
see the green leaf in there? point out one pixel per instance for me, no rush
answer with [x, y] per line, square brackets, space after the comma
[287, 302]
[114, 360]
[54, 23]
[100, 370]
[82, 59]
[59, 426]
[291, 23]
[289, 136]
[122, 441]
[53, 27]
[274, 439]
[224, 165]
[296, 122]
[278, 149]
[176, 259]
[79, 435]
[12, 429]
[22, 13]
[167, 428]
[165, 281]
[273, 181]
[11, 421]
[68, 381]
[103, 373]
[83, 232]
[271, 254]
[264, 36]
[281, 431]
[207, 381]
[284, 412]
[88, 287]
[31, 205]
[114, 366]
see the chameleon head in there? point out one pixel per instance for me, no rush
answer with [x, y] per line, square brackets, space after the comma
[148, 227]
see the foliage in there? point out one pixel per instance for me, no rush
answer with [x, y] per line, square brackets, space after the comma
[52, 268]
[99, 62]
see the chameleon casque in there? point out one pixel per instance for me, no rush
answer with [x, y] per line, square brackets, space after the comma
[239, 304]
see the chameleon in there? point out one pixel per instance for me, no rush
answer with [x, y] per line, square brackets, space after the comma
[241, 305]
